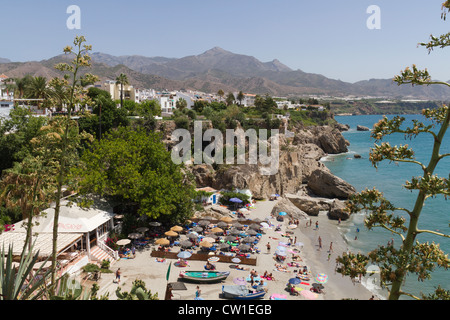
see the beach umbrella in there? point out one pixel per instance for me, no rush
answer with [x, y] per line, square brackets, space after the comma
[292, 226]
[217, 230]
[162, 242]
[282, 213]
[308, 294]
[154, 224]
[209, 239]
[135, 235]
[197, 229]
[244, 210]
[240, 281]
[235, 200]
[192, 236]
[203, 223]
[222, 224]
[205, 244]
[321, 278]
[249, 240]
[227, 219]
[243, 247]
[224, 246]
[242, 219]
[257, 220]
[294, 281]
[213, 259]
[252, 232]
[230, 238]
[186, 244]
[236, 260]
[265, 225]
[238, 225]
[281, 253]
[234, 232]
[142, 229]
[255, 226]
[176, 229]
[123, 242]
[184, 255]
[171, 233]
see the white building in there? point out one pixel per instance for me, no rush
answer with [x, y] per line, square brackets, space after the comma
[167, 101]
[188, 96]
[81, 235]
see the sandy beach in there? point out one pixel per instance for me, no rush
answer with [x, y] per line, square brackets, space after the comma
[153, 273]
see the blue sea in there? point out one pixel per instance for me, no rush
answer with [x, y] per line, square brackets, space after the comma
[390, 178]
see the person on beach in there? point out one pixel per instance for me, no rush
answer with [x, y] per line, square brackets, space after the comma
[198, 292]
[320, 243]
[317, 225]
[268, 247]
[331, 247]
[118, 273]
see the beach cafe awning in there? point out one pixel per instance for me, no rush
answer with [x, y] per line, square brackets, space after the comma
[43, 242]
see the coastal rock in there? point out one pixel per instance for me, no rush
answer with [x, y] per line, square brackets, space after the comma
[362, 128]
[295, 164]
[284, 204]
[342, 127]
[357, 156]
[329, 139]
[323, 183]
[310, 205]
[203, 174]
[337, 211]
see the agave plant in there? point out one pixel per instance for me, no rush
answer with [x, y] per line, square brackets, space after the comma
[20, 282]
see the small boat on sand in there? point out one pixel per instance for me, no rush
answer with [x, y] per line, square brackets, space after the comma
[204, 276]
[242, 292]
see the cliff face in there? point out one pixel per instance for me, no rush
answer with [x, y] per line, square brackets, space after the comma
[299, 170]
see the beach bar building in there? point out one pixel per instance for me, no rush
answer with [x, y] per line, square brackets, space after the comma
[81, 235]
[211, 196]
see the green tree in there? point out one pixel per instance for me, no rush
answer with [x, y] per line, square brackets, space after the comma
[240, 97]
[221, 94]
[122, 79]
[37, 89]
[230, 99]
[412, 256]
[135, 167]
[181, 104]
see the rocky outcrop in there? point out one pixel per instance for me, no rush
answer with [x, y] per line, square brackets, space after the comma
[295, 166]
[203, 174]
[342, 127]
[310, 205]
[337, 211]
[362, 128]
[329, 139]
[323, 183]
[284, 204]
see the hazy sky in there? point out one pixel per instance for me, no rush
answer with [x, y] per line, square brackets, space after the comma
[325, 37]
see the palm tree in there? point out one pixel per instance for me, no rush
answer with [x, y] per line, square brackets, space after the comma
[122, 79]
[240, 97]
[230, 99]
[37, 89]
[21, 84]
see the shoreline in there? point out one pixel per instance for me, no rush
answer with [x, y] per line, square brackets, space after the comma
[153, 273]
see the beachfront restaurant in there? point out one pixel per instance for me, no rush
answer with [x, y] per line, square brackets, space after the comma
[81, 235]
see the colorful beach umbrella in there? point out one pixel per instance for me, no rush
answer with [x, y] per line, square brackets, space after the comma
[321, 278]
[213, 259]
[282, 213]
[294, 281]
[235, 200]
[184, 255]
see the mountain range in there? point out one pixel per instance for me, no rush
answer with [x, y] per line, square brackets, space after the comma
[221, 69]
